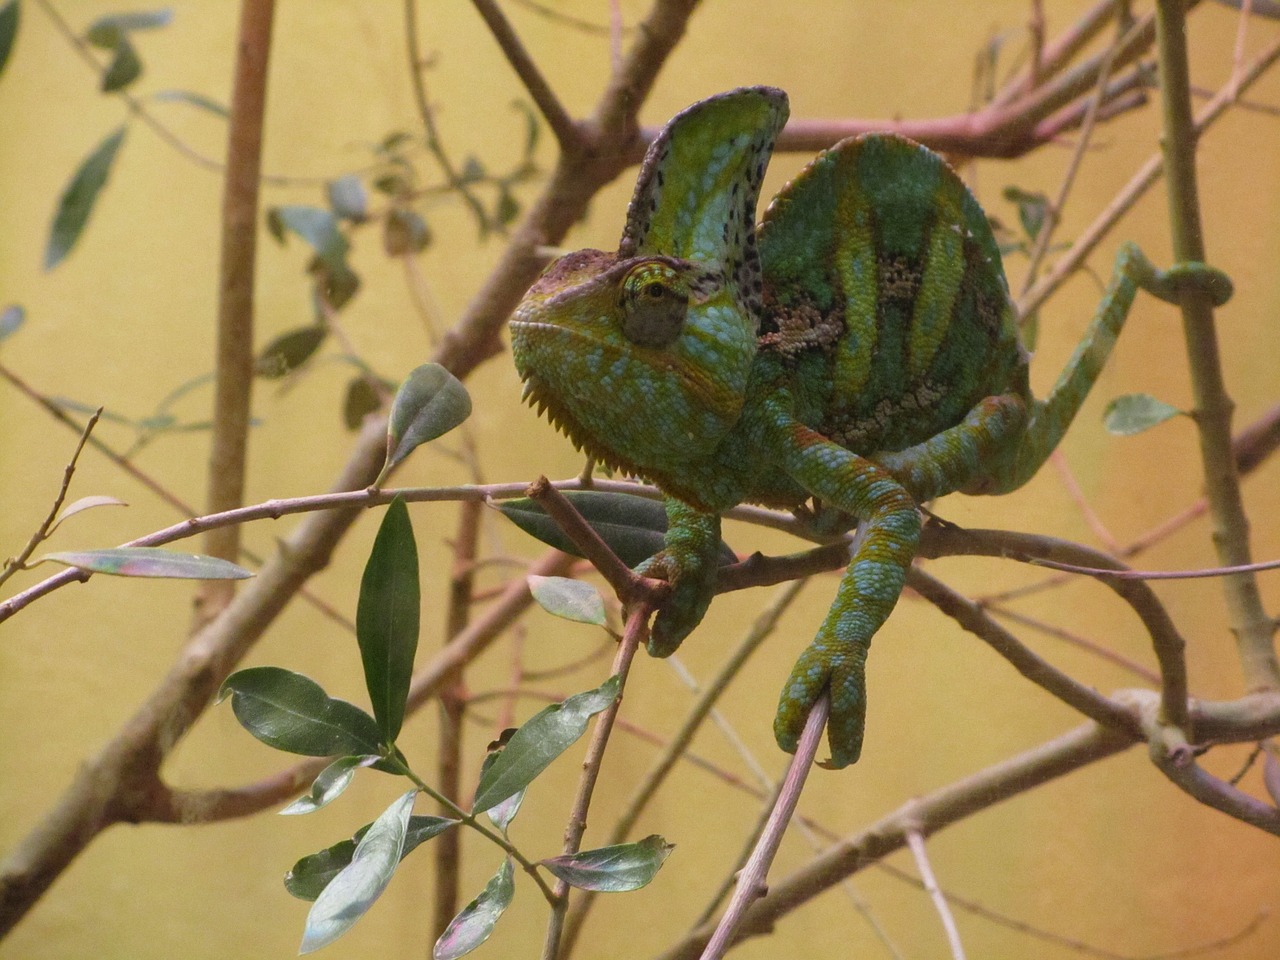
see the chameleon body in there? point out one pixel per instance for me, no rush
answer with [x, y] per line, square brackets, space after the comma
[858, 348]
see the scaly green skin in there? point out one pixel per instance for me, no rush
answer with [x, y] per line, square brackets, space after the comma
[858, 347]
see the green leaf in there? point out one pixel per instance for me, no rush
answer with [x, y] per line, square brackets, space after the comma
[387, 618]
[78, 199]
[85, 503]
[289, 351]
[1032, 208]
[312, 873]
[430, 403]
[531, 127]
[194, 99]
[472, 170]
[568, 598]
[403, 231]
[317, 227]
[11, 318]
[504, 812]
[392, 184]
[1029, 332]
[539, 741]
[106, 31]
[350, 894]
[292, 713]
[362, 398]
[1134, 412]
[615, 869]
[472, 926]
[348, 199]
[329, 785]
[150, 562]
[8, 30]
[633, 527]
[125, 67]
[508, 208]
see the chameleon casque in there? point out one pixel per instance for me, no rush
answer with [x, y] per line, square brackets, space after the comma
[858, 347]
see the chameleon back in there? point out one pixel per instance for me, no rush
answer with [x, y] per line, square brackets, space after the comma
[881, 271]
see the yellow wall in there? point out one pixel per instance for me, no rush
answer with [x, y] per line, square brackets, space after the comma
[1114, 855]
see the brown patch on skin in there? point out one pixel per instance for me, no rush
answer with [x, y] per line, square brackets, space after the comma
[792, 330]
[899, 278]
[570, 269]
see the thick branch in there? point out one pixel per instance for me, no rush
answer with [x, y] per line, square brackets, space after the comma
[233, 368]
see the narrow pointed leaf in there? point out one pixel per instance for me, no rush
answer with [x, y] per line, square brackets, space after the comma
[194, 99]
[349, 895]
[78, 199]
[503, 813]
[150, 562]
[535, 745]
[615, 869]
[11, 318]
[291, 712]
[8, 30]
[387, 618]
[1271, 776]
[472, 926]
[125, 67]
[83, 504]
[347, 198]
[289, 351]
[430, 403]
[1135, 412]
[633, 527]
[106, 31]
[329, 785]
[312, 873]
[568, 598]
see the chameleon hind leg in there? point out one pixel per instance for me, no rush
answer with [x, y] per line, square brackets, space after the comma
[835, 661]
[884, 494]
[1050, 418]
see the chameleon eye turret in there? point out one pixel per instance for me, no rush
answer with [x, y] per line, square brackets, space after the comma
[857, 347]
[654, 305]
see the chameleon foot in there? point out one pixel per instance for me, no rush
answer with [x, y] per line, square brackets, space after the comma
[684, 609]
[842, 674]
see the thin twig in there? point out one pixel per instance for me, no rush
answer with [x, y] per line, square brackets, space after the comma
[751, 881]
[915, 841]
[14, 564]
[632, 637]
[562, 125]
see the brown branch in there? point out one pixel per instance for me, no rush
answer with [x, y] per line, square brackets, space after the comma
[562, 125]
[928, 814]
[233, 363]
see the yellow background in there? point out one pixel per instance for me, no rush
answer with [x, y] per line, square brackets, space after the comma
[1114, 855]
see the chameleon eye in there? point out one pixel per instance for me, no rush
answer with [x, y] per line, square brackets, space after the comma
[654, 305]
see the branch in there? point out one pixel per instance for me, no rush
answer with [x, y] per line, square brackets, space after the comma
[233, 363]
[929, 814]
[1213, 408]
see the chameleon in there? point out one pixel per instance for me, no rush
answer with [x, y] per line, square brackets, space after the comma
[852, 356]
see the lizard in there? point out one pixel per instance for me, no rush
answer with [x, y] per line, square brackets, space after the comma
[855, 354]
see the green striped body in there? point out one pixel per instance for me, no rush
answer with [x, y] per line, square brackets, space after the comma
[880, 238]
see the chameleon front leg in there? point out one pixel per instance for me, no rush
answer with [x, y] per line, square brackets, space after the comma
[688, 561]
[877, 571]
[1050, 418]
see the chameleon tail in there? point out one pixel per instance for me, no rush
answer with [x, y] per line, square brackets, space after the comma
[1050, 418]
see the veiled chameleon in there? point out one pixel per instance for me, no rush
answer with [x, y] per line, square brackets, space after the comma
[858, 347]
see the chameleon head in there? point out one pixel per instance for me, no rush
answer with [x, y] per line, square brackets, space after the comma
[642, 356]
[642, 361]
